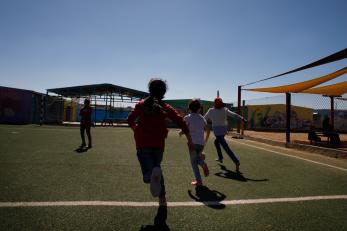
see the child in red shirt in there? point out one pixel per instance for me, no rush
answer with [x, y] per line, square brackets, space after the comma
[86, 123]
[147, 120]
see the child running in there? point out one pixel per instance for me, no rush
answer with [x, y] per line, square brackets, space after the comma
[218, 116]
[196, 124]
[86, 123]
[147, 120]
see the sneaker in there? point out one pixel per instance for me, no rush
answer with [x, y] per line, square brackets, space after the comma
[162, 201]
[89, 146]
[155, 186]
[82, 145]
[205, 169]
[219, 160]
[196, 182]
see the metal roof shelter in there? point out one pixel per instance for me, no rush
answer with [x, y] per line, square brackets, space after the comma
[106, 94]
[105, 89]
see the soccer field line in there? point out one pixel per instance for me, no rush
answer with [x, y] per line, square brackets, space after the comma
[283, 154]
[170, 204]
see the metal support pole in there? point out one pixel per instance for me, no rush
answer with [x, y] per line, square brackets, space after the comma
[95, 111]
[243, 115]
[332, 113]
[288, 113]
[42, 111]
[238, 107]
[106, 111]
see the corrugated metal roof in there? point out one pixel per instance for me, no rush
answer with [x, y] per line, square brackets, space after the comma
[98, 89]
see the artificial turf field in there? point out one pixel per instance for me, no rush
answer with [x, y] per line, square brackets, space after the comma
[40, 164]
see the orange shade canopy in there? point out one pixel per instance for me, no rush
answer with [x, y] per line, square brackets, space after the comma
[301, 86]
[337, 89]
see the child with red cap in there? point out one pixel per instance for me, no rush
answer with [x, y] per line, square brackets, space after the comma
[218, 115]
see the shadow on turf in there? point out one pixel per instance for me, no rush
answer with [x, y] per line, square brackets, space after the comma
[210, 198]
[81, 150]
[159, 221]
[226, 173]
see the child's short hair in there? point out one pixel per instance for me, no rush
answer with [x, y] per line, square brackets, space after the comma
[87, 101]
[157, 88]
[194, 105]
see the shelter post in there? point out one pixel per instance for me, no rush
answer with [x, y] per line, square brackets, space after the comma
[288, 113]
[243, 115]
[332, 113]
[238, 107]
[95, 110]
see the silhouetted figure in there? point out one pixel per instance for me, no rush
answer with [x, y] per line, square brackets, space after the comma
[218, 115]
[210, 198]
[312, 136]
[86, 123]
[148, 121]
[329, 131]
[196, 124]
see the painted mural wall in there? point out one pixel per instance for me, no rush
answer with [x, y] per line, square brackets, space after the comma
[273, 116]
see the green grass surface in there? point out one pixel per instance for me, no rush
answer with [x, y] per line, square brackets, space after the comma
[40, 164]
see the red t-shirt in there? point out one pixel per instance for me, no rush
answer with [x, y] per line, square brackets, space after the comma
[86, 116]
[150, 130]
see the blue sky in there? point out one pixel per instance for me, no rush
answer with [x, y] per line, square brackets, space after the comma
[198, 46]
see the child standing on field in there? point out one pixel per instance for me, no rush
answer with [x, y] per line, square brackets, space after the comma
[86, 123]
[147, 120]
[196, 124]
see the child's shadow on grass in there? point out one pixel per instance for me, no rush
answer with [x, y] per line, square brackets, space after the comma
[226, 173]
[210, 198]
[81, 150]
[159, 221]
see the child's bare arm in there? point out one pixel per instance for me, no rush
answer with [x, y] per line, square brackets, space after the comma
[208, 131]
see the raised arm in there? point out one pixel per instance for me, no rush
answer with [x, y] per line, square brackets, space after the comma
[233, 114]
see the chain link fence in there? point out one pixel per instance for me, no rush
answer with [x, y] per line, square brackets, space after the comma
[307, 112]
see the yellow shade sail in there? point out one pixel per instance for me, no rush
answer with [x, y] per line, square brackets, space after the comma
[337, 89]
[299, 87]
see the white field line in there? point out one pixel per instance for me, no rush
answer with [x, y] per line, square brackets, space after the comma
[170, 204]
[283, 154]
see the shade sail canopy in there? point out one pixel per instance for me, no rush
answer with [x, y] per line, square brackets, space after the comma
[337, 89]
[331, 58]
[299, 87]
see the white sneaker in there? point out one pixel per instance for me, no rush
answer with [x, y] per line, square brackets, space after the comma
[155, 186]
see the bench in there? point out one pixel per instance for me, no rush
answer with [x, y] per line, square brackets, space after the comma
[111, 121]
[332, 137]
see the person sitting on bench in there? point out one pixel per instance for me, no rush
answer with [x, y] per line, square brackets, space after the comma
[329, 131]
[312, 135]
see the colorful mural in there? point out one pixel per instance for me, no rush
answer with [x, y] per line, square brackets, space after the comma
[274, 117]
